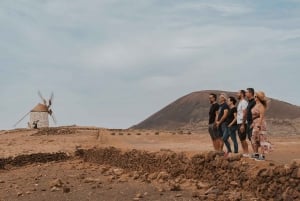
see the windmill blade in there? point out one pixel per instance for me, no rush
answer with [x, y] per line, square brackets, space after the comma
[53, 118]
[41, 96]
[51, 99]
[20, 120]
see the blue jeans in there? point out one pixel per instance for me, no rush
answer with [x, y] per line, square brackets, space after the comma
[222, 130]
[231, 131]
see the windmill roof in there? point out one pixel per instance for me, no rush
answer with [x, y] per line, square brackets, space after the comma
[40, 108]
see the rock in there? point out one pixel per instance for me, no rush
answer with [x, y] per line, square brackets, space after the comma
[174, 186]
[144, 177]
[161, 181]
[163, 176]
[195, 194]
[56, 183]
[91, 180]
[19, 194]
[296, 173]
[288, 169]
[153, 176]
[209, 156]
[111, 178]
[118, 171]
[136, 199]
[280, 170]
[2, 181]
[282, 180]
[54, 188]
[123, 178]
[234, 183]
[66, 189]
[178, 195]
[271, 164]
[161, 189]
[178, 180]
[235, 157]
[296, 162]
[139, 195]
[201, 185]
[135, 175]
[212, 190]
[104, 169]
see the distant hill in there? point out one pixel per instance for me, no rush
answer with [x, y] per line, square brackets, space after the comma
[194, 108]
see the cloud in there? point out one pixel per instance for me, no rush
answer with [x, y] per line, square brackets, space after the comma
[113, 63]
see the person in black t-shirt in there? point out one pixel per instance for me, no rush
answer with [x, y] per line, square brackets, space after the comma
[231, 123]
[251, 103]
[212, 128]
[222, 115]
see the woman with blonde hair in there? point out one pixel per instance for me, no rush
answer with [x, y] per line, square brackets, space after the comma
[259, 138]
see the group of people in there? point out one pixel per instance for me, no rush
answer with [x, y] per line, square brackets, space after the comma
[243, 115]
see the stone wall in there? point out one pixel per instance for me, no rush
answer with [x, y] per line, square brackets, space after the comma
[265, 180]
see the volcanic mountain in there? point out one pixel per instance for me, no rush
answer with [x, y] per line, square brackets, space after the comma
[194, 107]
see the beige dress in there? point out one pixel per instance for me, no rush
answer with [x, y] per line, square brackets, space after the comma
[259, 134]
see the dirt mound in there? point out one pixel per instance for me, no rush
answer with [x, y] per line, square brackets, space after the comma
[222, 175]
[194, 107]
[55, 131]
[22, 160]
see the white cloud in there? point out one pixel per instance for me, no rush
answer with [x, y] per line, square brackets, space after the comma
[115, 62]
[224, 8]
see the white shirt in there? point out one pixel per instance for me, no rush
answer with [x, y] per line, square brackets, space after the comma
[241, 106]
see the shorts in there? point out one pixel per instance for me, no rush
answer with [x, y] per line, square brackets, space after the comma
[249, 132]
[213, 131]
[242, 135]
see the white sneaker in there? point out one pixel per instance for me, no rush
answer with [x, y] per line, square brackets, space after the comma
[260, 158]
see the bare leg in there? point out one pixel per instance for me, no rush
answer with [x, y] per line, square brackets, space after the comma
[220, 144]
[215, 144]
[255, 147]
[245, 146]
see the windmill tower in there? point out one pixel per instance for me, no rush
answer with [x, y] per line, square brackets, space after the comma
[39, 115]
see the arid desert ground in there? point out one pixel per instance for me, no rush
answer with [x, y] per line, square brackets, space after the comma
[88, 163]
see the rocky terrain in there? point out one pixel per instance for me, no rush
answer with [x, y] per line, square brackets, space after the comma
[81, 163]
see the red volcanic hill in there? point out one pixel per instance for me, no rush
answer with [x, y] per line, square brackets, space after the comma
[194, 108]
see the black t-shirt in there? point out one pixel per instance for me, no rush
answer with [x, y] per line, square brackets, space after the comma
[212, 112]
[251, 104]
[230, 116]
[222, 107]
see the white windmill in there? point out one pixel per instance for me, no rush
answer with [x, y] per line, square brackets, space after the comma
[40, 113]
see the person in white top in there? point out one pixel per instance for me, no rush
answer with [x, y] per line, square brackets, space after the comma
[241, 121]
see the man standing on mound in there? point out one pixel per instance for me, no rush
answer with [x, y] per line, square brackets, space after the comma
[212, 127]
[251, 103]
[241, 121]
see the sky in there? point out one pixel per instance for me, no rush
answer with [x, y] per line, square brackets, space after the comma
[113, 63]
